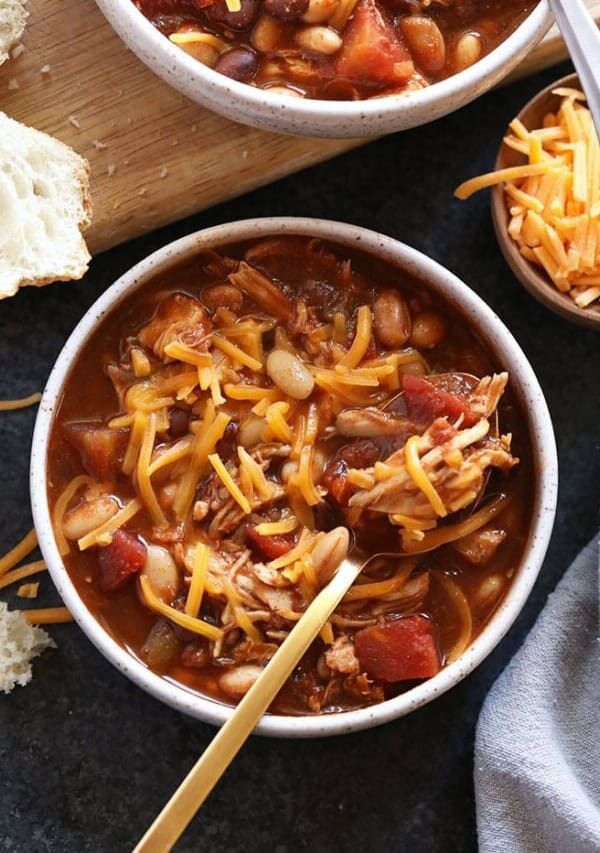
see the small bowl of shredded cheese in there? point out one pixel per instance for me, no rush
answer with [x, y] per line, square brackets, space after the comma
[546, 201]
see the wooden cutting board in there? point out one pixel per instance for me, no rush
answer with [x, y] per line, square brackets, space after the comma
[155, 156]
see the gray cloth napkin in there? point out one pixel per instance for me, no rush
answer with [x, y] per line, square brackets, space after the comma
[537, 749]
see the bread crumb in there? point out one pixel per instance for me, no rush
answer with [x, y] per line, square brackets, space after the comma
[245, 154]
[164, 172]
[13, 84]
[45, 69]
[98, 145]
[143, 191]
[20, 643]
[111, 170]
[126, 162]
[74, 121]
[28, 590]
[17, 51]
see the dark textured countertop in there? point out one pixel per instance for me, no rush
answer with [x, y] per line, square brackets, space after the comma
[87, 759]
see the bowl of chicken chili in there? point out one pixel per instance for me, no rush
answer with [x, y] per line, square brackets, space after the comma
[243, 391]
[337, 68]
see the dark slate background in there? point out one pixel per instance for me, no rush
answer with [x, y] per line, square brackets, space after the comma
[87, 759]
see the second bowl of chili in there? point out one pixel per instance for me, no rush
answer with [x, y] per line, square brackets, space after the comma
[332, 68]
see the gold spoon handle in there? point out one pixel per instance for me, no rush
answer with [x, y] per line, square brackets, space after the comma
[187, 799]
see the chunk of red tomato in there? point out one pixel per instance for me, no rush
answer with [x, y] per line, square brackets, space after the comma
[360, 454]
[270, 547]
[117, 562]
[372, 52]
[399, 650]
[425, 402]
[100, 448]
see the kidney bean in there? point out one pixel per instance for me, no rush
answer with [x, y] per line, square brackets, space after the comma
[218, 13]
[286, 10]
[238, 64]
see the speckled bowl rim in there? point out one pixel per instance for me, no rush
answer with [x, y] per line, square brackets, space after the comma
[340, 119]
[492, 329]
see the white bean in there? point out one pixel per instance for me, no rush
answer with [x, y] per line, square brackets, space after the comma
[266, 34]
[88, 516]
[162, 573]
[329, 552]
[251, 431]
[284, 90]
[319, 40]
[319, 11]
[391, 319]
[289, 374]
[236, 682]
[467, 51]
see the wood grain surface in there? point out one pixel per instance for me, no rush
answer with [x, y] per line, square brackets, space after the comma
[155, 156]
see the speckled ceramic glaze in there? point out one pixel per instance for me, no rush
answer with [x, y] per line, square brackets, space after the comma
[510, 356]
[337, 119]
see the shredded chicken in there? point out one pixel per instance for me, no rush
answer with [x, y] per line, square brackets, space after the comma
[457, 485]
[341, 657]
[178, 318]
[484, 398]
[372, 423]
[480, 547]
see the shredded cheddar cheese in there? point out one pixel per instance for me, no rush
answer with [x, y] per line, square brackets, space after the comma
[419, 476]
[554, 200]
[276, 528]
[28, 590]
[184, 620]
[275, 417]
[48, 616]
[227, 480]
[102, 535]
[196, 590]
[239, 614]
[22, 572]
[362, 338]
[236, 354]
[20, 551]
[22, 403]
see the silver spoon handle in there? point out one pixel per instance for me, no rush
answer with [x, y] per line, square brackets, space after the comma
[582, 37]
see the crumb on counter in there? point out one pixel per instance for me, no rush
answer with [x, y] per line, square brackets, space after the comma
[13, 84]
[73, 120]
[45, 69]
[111, 169]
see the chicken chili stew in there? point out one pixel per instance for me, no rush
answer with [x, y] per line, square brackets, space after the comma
[227, 417]
[337, 49]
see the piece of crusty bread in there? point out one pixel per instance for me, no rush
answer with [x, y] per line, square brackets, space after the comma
[20, 642]
[44, 205]
[13, 16]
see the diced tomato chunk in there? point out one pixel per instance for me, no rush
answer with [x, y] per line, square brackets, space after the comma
[372, 51]
[101, 449]
[425, 402]
[360, 454]
[271, 547]
[124, 557]
[399, 650]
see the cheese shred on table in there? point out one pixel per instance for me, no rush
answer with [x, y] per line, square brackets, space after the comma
[554, 199]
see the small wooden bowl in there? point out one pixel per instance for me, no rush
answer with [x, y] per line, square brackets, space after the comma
[533, 278]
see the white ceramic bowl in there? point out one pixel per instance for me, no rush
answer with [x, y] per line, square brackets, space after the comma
[491, 328]
[337, 119]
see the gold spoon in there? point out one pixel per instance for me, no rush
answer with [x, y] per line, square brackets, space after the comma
[187, 799]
